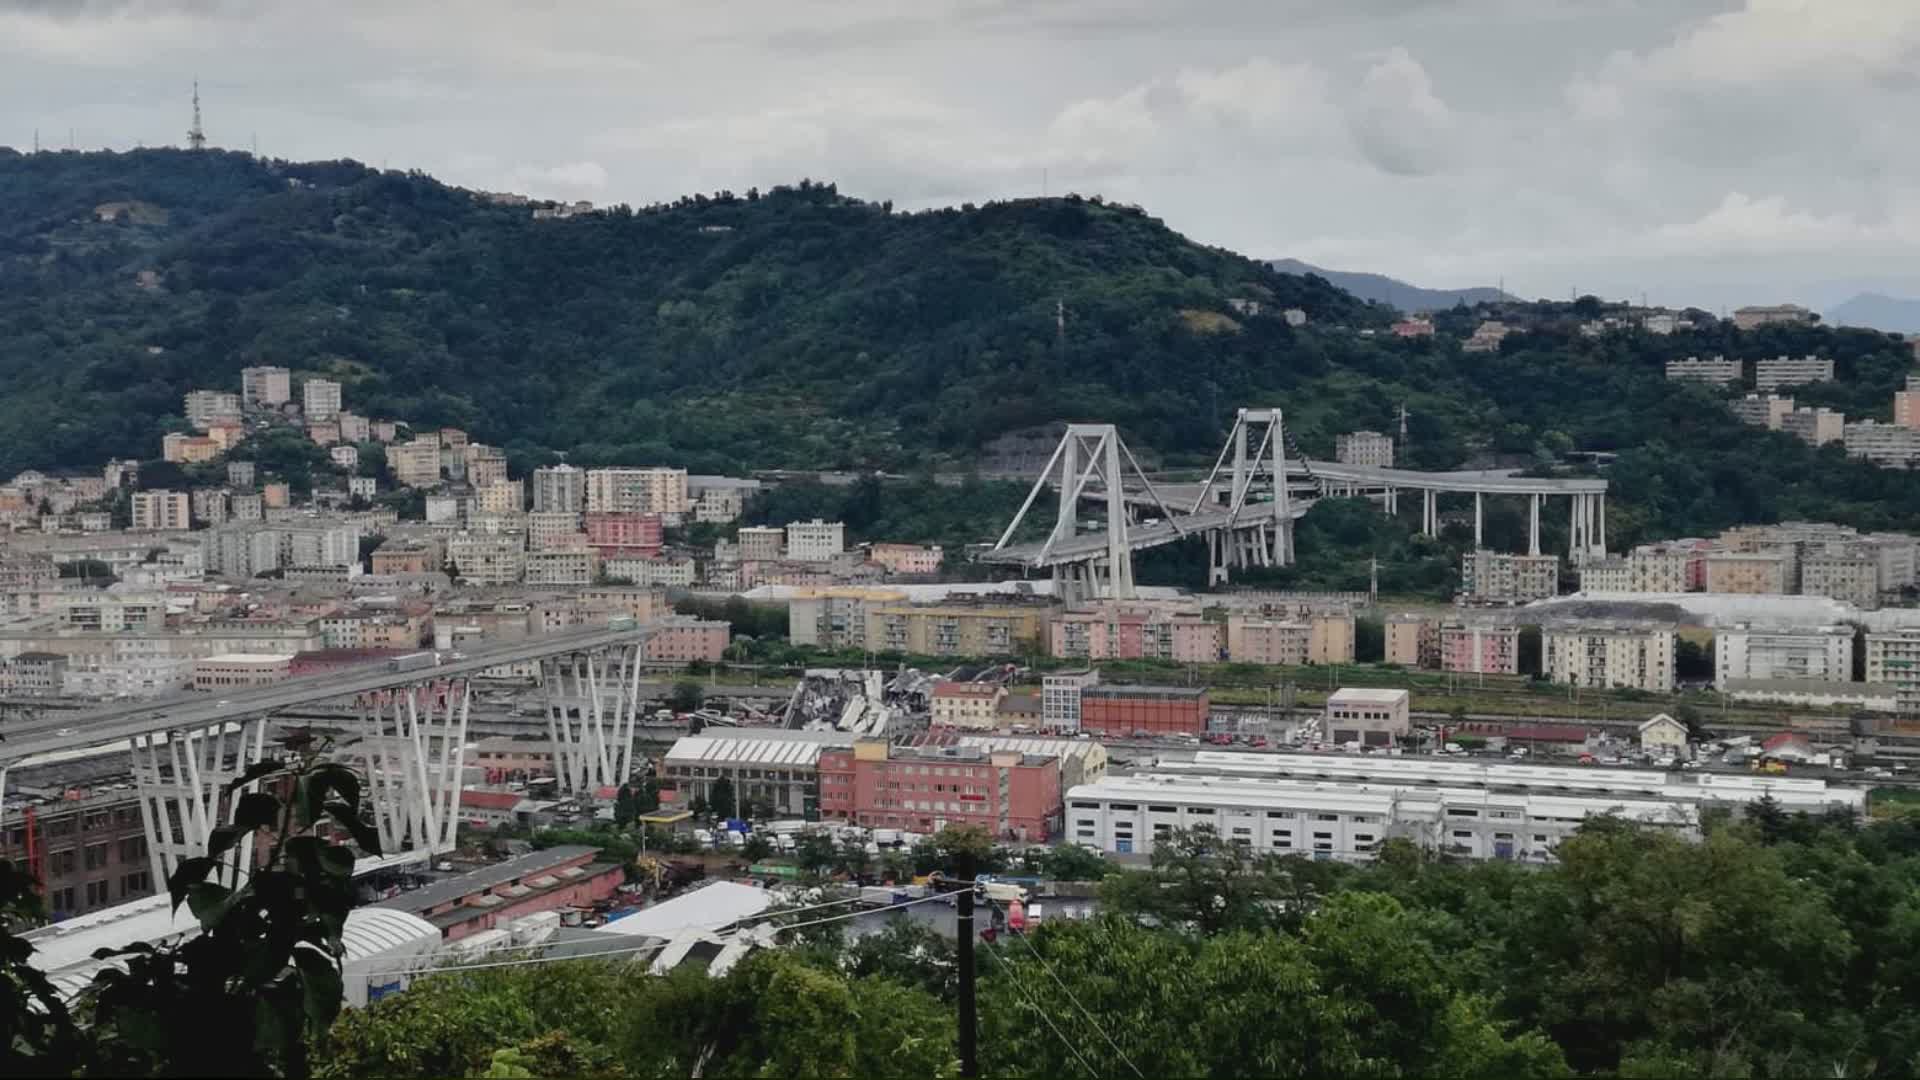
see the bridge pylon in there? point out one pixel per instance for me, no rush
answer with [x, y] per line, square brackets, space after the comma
[593, 706]
[1258, 531]
[181, 777]
[1089, 455]
[412, 746]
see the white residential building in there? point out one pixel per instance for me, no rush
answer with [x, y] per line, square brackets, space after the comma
[1821, 653]
[265, 386]
[647, 491]
[559, 489]
[1718, 371]
[1891, 445]
[1608, 656]
[1893, 659]
[816, 540]
[320, 399]
[161, 510]
[1364, 448]
[1791, 371]
[487, 558]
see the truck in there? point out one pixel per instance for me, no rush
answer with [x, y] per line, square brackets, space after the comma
[881, 895]
[412, 661]
[622, 622]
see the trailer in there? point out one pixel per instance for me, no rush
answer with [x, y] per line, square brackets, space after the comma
[413, 661]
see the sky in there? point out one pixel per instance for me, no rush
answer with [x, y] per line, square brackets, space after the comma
[1711, 152]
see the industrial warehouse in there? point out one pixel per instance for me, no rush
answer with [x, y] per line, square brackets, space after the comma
[1333, 807]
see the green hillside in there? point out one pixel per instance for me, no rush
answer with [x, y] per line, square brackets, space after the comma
[795, 327]
[801, 327]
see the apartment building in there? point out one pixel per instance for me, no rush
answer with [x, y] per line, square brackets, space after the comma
[276, 496]
[1791, 371]
[204, 407]
[265, 387]
[1411, 641]
[1496, 577]
[320, 399]
[232, 671]
[184, 449]
[1818, 653]
[1647, 569]
[1123, 631]
[657, 570]
[1906, 406]
[1610, 656]
[562, 566]
[816, 540]
[1009, 794]
[1893, 659]
[650, 490]
[1323, 637]
[1757, 315]
[1479, 649]
[1751, 572]
[240, 475]
[1890, 445]
[547, 529]
[1364, 448]
[559, 489]
[1717, 371]
[1060, 698]
[1762, 410]
[624, 533]
[485, 465]
[1815, 427]
[416, 557]
[161, 510]
[968, 705]
[487, 559]
[683, 639]
[1850, 574]
[907, 559]
[715, 505]
[415, 464]
[760, 543]
[956, 629]
[354, 428]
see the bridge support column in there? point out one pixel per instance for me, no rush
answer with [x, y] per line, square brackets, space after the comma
[1533, 524]
[180, 776]
[591, 725]
[1430, 512]
[415, 739]
[1478, 521]
[1600, 501]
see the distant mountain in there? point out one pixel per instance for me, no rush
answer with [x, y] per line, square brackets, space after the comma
[1876, 311]
[1392, 292]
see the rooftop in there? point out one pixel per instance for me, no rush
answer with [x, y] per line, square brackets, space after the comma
[1187, 693]
[1361, 695]
[487, 877]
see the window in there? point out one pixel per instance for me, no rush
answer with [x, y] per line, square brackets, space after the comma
[62, 862]
[1163, 810]
[1090, 806]
[62, 899]
[1200, 811]
[96, 856]
[1326, 817]
[1279, 813]
[97, 893]
[1456, 812]
[1462, 834]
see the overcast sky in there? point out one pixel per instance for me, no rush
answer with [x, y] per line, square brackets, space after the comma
[1709, 152]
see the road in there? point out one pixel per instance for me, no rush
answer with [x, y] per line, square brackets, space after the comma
[117, 723]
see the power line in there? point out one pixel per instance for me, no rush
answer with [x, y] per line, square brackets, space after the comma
[438, 969]
[1048, 968]
[993, 948]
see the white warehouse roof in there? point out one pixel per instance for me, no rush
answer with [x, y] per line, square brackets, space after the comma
[791, 749]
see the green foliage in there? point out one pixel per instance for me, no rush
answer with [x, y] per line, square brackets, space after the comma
[687, 696]
[37, 1034]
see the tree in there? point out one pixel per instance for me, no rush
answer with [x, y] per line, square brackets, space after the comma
[625, 808]
[1200, 881]
[757, 847]
[814, 852]
[1071, 862]
[264, 971]
[687, 696]
[854, 858]
[722, 800]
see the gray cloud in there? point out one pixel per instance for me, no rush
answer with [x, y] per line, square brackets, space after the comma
[1706, 150]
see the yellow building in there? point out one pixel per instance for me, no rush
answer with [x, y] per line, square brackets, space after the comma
[953, 629]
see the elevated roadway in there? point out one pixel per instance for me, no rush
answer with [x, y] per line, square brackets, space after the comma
[195, 710]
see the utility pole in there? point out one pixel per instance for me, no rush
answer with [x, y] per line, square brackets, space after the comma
[196, 135]
[969, 1010]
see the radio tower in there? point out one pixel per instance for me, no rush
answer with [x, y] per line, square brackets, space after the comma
[196, 137]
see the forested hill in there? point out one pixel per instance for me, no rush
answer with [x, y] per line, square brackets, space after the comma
[793, 327]
[801, 327]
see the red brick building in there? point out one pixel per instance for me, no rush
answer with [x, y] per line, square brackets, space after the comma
[1012, 795]
[621, 534]
[1157, 710]
[559, 877]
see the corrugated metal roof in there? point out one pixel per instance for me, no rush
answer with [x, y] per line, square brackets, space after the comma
[747, 750]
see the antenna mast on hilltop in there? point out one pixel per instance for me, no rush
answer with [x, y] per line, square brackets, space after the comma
[196, 136]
